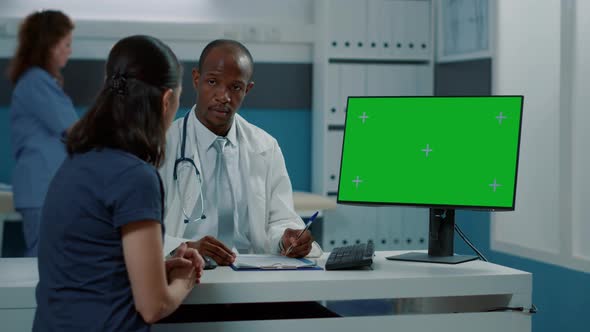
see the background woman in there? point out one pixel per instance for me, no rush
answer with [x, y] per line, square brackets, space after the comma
[40, 111]
[101, 264]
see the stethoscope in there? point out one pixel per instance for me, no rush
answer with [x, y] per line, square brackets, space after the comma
[191, 162]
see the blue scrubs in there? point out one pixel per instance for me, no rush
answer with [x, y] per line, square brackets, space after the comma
[39, 113]
[83, 280]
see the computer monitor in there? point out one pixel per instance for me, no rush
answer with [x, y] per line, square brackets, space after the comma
[444, 153]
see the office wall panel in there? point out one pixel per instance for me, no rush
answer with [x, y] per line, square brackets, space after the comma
[84, 78]
[464, 78]
[274, 107]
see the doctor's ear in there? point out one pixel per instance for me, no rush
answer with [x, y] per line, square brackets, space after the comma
[249, 86]
[196, 76]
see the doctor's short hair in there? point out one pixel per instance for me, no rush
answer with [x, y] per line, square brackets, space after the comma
[127, 114]
[37, 36]
[230, 44]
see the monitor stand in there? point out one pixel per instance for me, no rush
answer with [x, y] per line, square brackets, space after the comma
[440, 241]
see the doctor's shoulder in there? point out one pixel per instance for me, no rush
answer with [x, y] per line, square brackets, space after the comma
[174, 131]
[254, 133]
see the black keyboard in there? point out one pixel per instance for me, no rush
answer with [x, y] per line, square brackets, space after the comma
[351, 257]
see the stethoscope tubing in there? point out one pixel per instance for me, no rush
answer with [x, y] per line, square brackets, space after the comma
[184, 159]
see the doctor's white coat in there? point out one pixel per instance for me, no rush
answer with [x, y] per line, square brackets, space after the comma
[267, 186]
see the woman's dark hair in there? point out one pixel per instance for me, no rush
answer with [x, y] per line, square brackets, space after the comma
[38, 34]
[127, 113]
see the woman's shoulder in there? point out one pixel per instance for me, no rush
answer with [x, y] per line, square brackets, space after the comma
[36, 73]
[33, 77]
[123, 162]
[126, 169]
[108, 165]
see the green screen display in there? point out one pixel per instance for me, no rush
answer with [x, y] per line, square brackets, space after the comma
[433, 151]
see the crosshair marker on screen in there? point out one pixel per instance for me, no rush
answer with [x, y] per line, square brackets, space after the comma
[357, 181]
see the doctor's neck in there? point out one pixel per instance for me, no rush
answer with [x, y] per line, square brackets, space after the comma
[217, 125]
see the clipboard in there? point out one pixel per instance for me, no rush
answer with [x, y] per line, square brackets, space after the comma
[273, 263]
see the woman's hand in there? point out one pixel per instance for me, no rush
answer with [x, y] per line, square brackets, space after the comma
[186, 263]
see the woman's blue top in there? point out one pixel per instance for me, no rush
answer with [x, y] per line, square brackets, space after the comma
[40, 111]
[83, 280]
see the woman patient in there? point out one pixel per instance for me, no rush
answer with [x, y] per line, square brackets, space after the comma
[101, 264]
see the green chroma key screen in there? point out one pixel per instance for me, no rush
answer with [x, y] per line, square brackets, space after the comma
[431, 151]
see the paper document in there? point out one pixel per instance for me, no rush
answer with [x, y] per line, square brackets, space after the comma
[171, 243]
[271, 262]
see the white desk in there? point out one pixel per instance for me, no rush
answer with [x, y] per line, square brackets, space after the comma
[435, 297]
[6, 211]
[6, 202]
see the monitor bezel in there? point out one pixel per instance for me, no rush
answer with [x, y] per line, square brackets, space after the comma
[436, 206]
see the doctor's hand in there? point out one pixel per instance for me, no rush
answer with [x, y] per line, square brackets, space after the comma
[301, 246]
[212, 247]
[185, 259]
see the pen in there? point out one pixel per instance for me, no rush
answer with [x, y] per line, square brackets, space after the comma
[303, 231]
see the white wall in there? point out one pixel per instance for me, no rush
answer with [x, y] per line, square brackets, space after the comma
[540, 54]
[274, 31]
[580, 132]
[283, 11]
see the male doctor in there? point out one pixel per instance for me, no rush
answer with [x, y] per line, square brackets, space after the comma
[234, 190]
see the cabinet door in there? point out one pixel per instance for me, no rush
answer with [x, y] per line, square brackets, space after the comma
[415, 224]
[389, 228]
[392, 80]
[353, 82]
[332, 154]
[347, 28]
[400, 80]
[387, 28]
[379, 29]
[418, 34]
[348, 225]
[335, 110]
[424, 80]
[345, 80]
